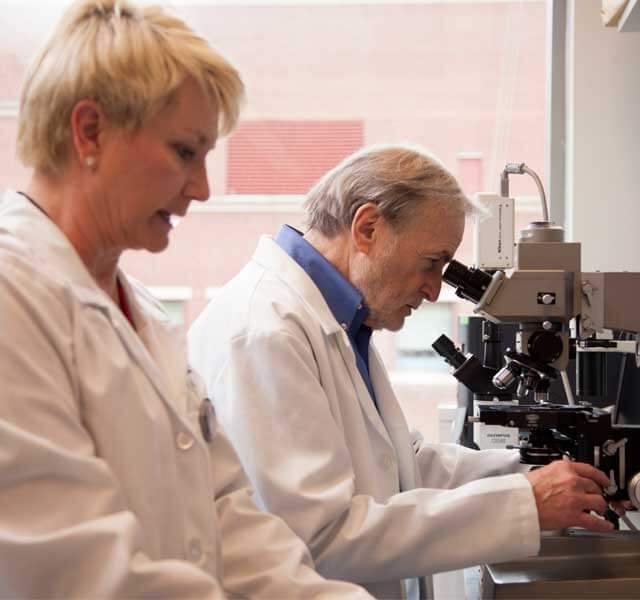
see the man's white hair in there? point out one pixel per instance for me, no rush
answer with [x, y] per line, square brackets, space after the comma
[399, 179]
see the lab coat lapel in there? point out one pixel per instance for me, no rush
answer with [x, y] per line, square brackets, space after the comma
[364, 397]
[170, 357]
[272, 257]
[159, 348]
[394, 421]
[145, 356]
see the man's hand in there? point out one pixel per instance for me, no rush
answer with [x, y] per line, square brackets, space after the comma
[564, 490]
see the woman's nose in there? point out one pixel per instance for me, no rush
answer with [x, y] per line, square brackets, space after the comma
[198, 188]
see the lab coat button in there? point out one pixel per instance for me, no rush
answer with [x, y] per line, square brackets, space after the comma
[387, 461]
[195, 551]
[184, 441]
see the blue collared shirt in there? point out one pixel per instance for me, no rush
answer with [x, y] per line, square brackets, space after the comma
[344, 300]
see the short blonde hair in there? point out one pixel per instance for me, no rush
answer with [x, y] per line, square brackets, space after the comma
[399, 179]
[130, 60]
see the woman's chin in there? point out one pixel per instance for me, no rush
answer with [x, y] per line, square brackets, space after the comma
[155, 243]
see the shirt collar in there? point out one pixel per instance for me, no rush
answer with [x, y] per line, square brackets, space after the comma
[343, 299]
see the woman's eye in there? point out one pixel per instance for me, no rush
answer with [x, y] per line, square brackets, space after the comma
[184, 152]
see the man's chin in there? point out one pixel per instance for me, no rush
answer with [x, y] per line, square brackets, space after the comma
[390, 323]
[397, 326]
[393, 323]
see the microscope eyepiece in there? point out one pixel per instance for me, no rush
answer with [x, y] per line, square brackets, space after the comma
[470, 283]
[447, 349]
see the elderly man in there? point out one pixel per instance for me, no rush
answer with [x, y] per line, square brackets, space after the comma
[285, 350]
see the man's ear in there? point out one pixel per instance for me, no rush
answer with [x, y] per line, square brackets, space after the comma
[88, 123]
[366, 227]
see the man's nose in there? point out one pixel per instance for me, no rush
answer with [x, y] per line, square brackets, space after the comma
[432, 286]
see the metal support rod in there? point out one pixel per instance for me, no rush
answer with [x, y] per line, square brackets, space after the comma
[567, 388]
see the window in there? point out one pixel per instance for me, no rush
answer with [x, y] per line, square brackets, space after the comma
[287, 157]
[175, 310]
[173, 300]
[421, 329]
[470, 171]
[465, 79]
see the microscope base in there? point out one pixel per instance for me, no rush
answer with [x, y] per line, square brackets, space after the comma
[576, 564]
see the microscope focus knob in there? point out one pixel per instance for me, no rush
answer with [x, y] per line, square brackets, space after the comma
[633, 489]
[545, 346]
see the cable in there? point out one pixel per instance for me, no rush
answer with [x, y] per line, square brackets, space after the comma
[543, 197]
[519, 169]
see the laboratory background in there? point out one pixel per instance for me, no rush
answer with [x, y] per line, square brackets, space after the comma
[478, 83]
[467, 80]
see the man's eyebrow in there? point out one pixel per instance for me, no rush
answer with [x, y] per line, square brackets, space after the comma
[440, 254]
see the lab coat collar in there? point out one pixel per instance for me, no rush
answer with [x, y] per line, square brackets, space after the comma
[163, 362]
[271, 256]
[47, 244]
[344, 299]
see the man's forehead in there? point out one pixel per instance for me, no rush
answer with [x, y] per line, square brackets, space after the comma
[438, 232]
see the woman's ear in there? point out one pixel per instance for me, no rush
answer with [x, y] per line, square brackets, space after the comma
[87, 124]
[366, 227]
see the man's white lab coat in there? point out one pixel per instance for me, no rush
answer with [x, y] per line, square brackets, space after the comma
[346, 477]
[107, 486]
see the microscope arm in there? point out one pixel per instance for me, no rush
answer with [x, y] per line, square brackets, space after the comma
[610, 301]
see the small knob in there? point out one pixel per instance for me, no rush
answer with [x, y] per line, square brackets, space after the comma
[634, 490]
[610, 447]
[548, 298]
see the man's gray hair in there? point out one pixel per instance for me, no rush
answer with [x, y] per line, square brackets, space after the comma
[398, 179]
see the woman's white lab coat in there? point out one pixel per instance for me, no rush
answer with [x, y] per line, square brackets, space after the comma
[107, 486]
[345, 476]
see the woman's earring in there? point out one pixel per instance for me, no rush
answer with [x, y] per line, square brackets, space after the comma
[90, 161]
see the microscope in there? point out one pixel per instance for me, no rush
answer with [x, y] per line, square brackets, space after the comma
[560, 312]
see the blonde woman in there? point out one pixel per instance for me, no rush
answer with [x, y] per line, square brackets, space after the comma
[115, 479]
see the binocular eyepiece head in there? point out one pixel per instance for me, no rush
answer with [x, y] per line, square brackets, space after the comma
[470, 283]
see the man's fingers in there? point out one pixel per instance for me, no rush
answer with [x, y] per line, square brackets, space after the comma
[585, 470]
[593, 523]
[589, 486]
[595, 502]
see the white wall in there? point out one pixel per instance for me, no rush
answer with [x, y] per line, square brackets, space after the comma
[603, 140]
